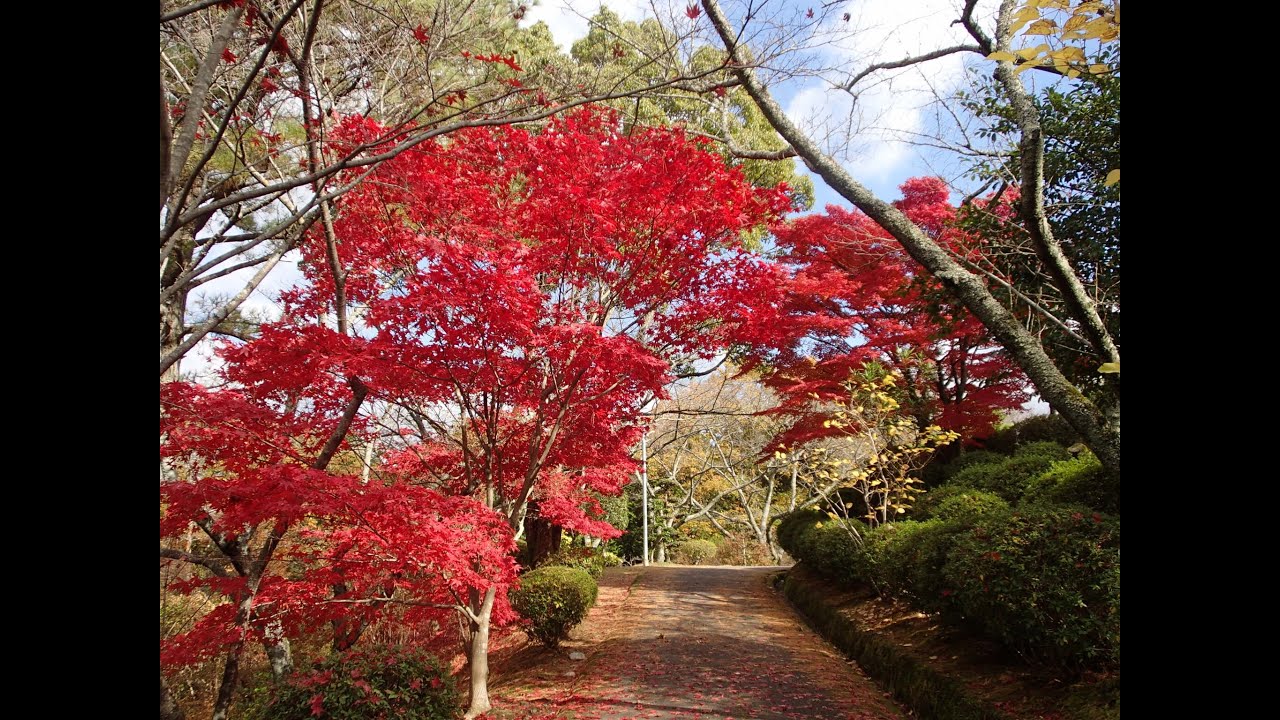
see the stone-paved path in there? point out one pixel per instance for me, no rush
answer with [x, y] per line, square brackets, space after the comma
[713, 643]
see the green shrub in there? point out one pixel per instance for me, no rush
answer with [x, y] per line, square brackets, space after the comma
[1045, 580]
[967, 506]
[1046, 448]
[553, 600]
[610, 560]
[966, 460]
[825, 545]
[907, 559]
[1008, 479]
[791, 525]
[1033, 429]
[583, 558]
[694, 552]
[829, 548]
[960, 501]
[380, 682]
[1080, 481]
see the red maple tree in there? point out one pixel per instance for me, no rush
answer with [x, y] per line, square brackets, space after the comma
[854, 297]
[512, 298]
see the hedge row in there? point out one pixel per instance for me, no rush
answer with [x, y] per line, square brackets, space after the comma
[1043, 579]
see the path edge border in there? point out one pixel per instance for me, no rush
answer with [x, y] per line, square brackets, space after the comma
[931, 695]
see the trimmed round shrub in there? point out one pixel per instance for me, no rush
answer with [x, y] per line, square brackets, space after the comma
[829, 547]
[907, 558]
[1008, 479]
[967, 506]
[553, 600]
[1080, 481]
[1046, 448]
[790, 527]
[381, 683]
[694, 552]
[969, 459]
[1033, 429]
[961, 502]
[583, 558]
[1044, 580]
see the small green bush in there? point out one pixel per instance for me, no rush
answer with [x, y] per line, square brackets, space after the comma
[960, 501]
[610, 560]
[1045, 580]
[1033, 429]
[907, 558]
[583, 558]
[790, 527]
[553, 600]
[1080, 481]
[967, 506]
[1008, 479]
[829, 548]
[1046, 448]
[694, 552]
[967, 460]
[378, 683]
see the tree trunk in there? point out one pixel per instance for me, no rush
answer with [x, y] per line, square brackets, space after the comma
[227, 687]
[279, 652]
[173, 311]
[478, 654]
[541, 537]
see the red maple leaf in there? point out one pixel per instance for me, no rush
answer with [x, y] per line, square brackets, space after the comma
[693, 11]
[420, 34]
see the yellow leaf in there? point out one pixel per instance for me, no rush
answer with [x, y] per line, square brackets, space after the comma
[1113, 177]
[1028, 52]
[1099, 69]
[1074, 22]
[1043, 26]
[1111, 367]
[1001, 55]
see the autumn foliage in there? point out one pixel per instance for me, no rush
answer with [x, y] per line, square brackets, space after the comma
[854, 297]
[510, 298]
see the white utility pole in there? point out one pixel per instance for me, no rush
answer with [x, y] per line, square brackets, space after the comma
[644, 490]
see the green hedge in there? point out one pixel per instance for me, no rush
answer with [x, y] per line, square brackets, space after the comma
[553, 600]
[791, 525]
[927, 692]
[1008, 479]
[1033, 429]
[381, 682]
[1045, 448]
[968, 459]
[1081, 481]
[1044, 580]
[956, 502]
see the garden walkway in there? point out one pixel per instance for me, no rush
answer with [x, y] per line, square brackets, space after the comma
[713, 643]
